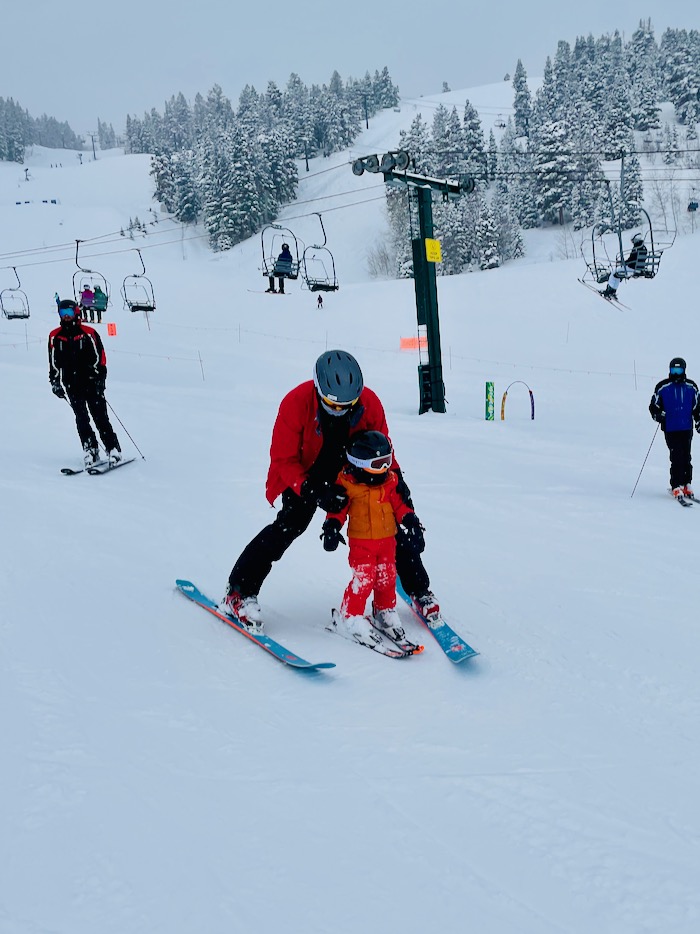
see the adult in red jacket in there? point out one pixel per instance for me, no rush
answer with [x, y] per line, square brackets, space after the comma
[309, 440]
[78, 372]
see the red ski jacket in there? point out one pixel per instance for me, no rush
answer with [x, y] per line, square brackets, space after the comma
[297, 436]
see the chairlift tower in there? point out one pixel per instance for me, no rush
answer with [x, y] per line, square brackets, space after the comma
[426, 252]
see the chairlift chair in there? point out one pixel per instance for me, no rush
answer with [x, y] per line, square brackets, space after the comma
[137, 290]
[606, 252]
[318, 266]
[14, 301]
[318, 269]
[272, 238]
[88, 278]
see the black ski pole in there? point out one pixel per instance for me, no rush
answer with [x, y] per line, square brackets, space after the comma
[127, 433]
[645, 461]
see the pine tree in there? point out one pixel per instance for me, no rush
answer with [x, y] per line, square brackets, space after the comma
[522, 103]
[554, 171]
[475, 162]
[632, 193]
[487, 239]
[416, 142]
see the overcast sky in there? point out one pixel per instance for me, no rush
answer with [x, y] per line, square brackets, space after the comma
[78, 61]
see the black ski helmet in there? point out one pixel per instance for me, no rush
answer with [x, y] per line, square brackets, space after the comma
[338, 381]
[67, 308]
[676, 368]
[370, 455]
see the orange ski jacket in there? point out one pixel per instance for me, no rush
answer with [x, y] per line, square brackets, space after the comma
[373, 511]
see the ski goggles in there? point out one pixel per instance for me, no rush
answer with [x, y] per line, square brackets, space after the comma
[69, 312]
[676, 371]
[338, 406]
[372, 464]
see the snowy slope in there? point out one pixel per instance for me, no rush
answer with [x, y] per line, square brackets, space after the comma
[161, 773]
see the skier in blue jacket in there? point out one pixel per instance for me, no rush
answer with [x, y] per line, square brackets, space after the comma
[675, 405]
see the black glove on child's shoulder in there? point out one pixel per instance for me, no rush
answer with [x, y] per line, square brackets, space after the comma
[330, 497]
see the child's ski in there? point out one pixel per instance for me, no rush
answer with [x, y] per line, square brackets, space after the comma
[372, 639]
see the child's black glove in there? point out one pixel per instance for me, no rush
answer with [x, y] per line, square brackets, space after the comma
[331, 535]
[414, 531]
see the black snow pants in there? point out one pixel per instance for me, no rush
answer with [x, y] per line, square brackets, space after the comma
[255, 563]
[679, 443]
[88, 401]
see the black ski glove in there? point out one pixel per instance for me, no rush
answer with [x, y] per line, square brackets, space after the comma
[414, 531]
[697, 427]
[100, 379]
[58, 390]
[331, 535]
[403, 490]
[330, 497]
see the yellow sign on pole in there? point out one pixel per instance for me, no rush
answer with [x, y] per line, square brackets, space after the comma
[433, 252]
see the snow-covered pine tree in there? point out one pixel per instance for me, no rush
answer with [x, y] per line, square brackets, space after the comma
[416, 142]
[386, 93]
[475, 161]
[554, 170]
[448, 144]
[492, 157]
[522, 101]
[643, 76]
[509, 236]
[680, 62]
[487, 239]
[632, 191]
[185, 170]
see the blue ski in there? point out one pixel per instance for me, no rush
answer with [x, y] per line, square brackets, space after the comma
[265, 642]
[454, 646]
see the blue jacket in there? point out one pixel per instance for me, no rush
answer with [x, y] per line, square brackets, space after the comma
[676, 404]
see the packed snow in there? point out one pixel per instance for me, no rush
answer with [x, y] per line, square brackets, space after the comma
[162, 773]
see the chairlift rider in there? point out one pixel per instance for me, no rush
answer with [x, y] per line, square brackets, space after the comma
[281, 269]
[631, 268]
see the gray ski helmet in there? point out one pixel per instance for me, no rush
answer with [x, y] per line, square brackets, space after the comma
[338, 379]
[637, 239]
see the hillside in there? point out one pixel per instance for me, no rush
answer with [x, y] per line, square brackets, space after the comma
[161, 773]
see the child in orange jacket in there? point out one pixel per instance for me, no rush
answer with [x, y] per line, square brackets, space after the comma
[374, 508]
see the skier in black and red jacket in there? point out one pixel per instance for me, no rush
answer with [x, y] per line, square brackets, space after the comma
[78, 372]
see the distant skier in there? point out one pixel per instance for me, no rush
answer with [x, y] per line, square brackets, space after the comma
[282, 269]
[374, 509]
[675, 405]
[313, 426]
[319, 301]
[78, 372]
[634, 266]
